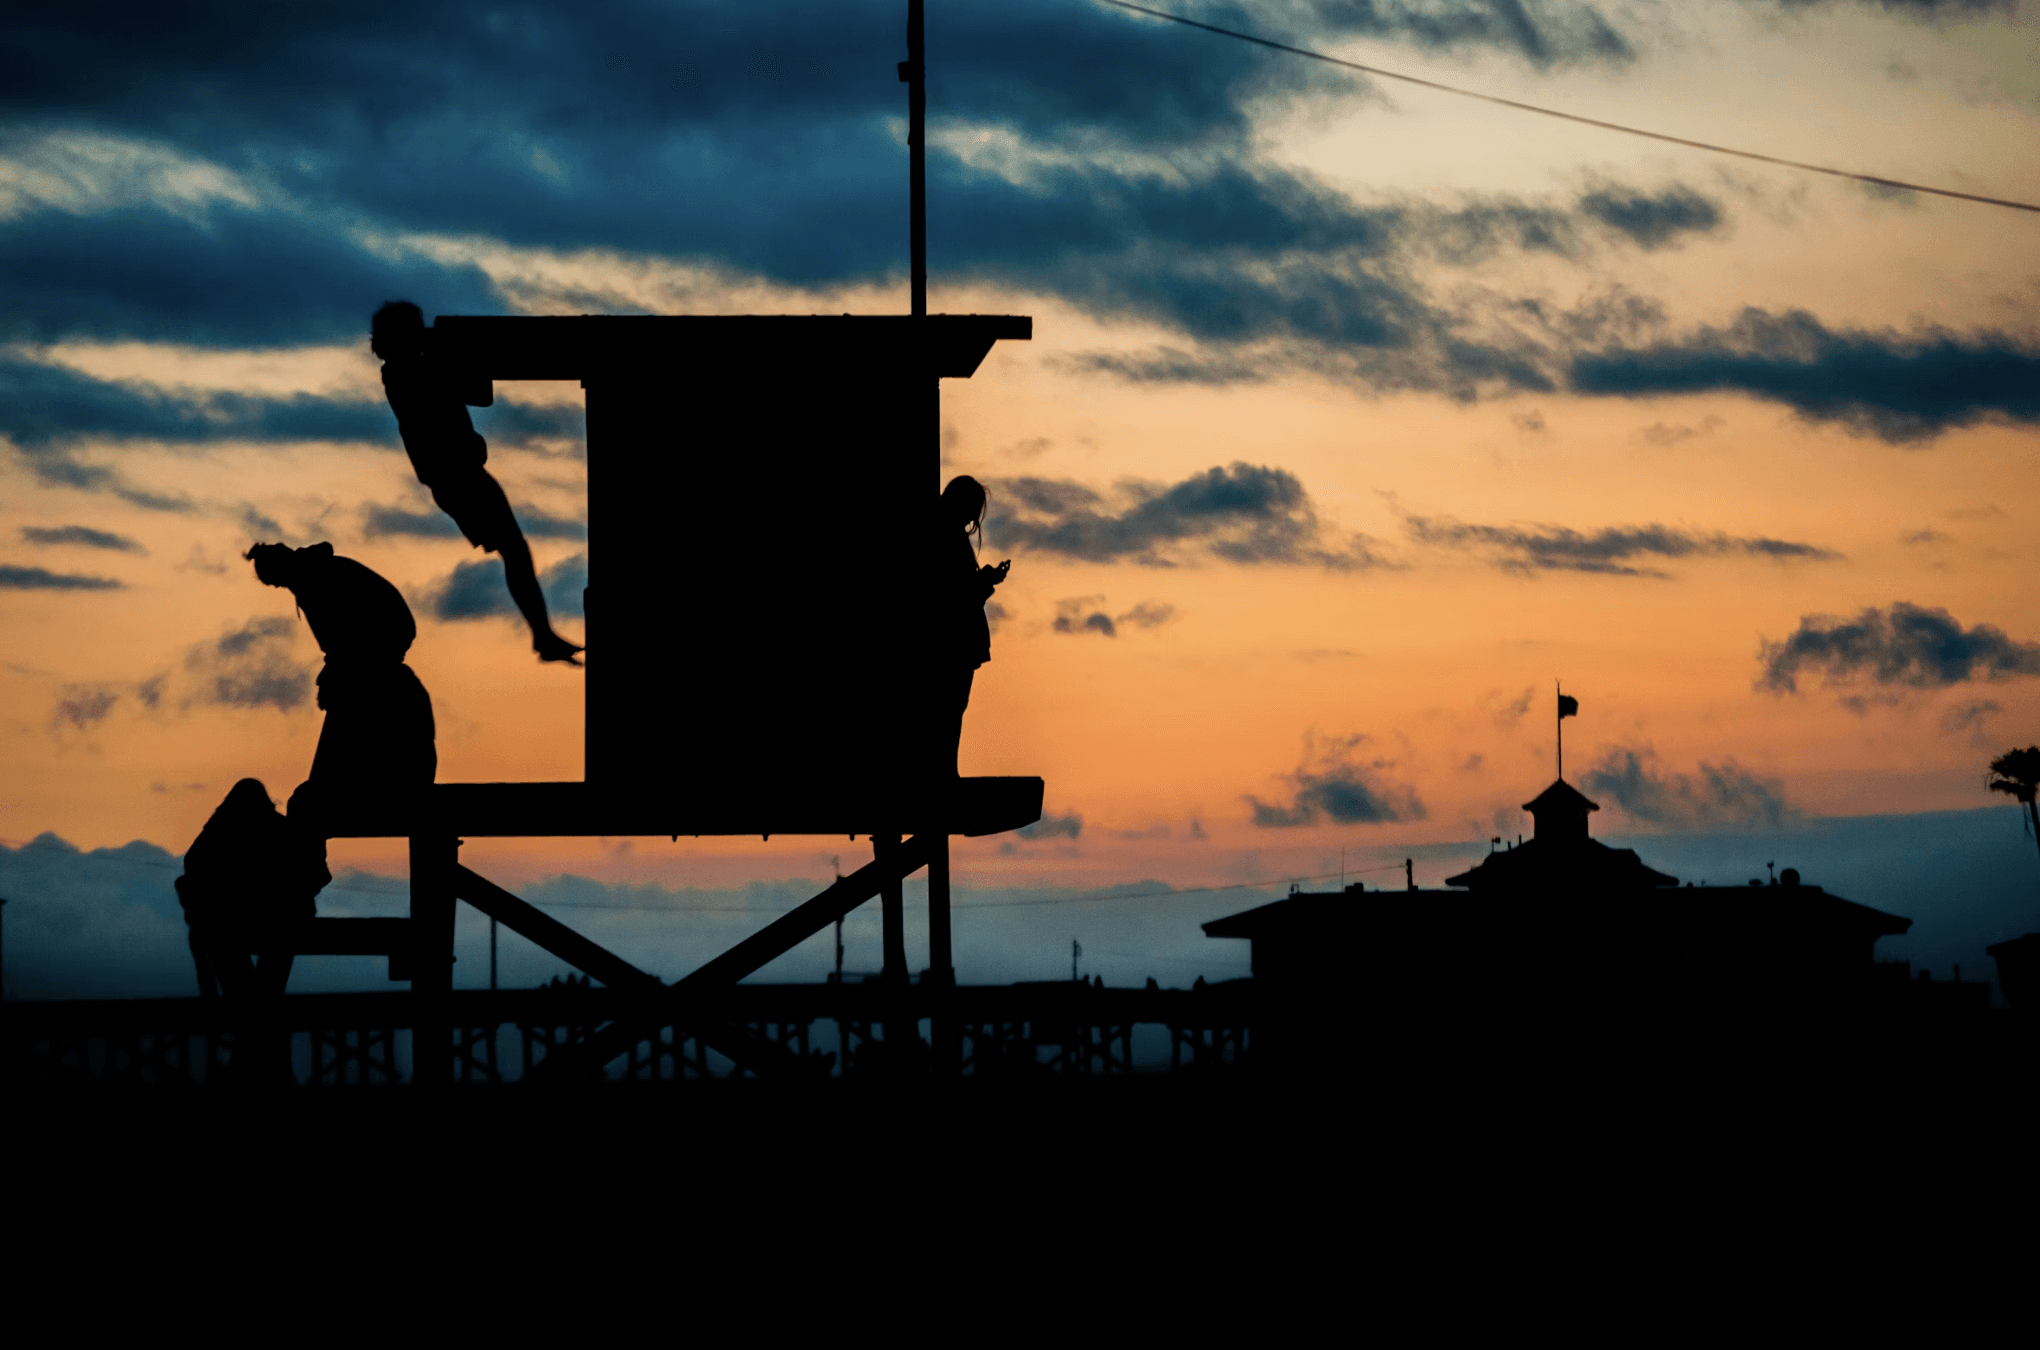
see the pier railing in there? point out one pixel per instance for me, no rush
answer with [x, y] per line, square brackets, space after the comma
[318, 1041]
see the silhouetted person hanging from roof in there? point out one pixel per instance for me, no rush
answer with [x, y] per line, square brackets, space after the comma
[449, 456]
[377, 742]
[249, 879]
[964, 634]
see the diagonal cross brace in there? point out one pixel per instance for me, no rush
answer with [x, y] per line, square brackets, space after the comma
[640, 987]
[681, 1001]
[796, 926]
[527, 920]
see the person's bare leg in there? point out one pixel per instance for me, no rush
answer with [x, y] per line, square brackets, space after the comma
[522, 576]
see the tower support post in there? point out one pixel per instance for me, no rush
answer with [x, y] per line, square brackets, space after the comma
[902, 1031]
[941, 965]
[435, 861]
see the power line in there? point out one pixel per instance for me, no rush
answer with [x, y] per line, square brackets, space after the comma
[990, 904]
[1570, 117]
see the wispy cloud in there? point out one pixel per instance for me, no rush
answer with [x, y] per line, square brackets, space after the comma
[81, 535]
[379, 521]
[1611, 551]
[1898, 387]
[1719, 795]
[476, 590]
[1243, 513]
[16, 578]
[1082, 614]
[1340, 783]
[82, 707]
[1067, 826]
[251, 666]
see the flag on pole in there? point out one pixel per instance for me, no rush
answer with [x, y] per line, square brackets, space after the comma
[1568, 706]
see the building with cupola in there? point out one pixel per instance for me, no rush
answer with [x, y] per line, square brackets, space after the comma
[1559, 926]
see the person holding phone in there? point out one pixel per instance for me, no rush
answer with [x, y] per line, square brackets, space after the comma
[966, 637]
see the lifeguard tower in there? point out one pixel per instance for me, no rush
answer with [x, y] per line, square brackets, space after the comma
[761, 495]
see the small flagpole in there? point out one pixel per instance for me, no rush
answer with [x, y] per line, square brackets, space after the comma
[1560, 691]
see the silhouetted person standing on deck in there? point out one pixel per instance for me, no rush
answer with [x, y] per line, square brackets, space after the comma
[378, 738]
[449, 456]
[249, 878]
[964, 634]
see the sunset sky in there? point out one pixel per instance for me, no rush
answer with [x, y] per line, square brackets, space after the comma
[1355, 414]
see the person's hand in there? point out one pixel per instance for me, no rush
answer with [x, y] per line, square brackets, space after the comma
[999, 572]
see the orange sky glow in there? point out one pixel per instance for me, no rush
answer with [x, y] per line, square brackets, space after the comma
[1427, 670]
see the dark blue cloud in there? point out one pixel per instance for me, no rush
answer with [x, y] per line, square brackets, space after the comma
[1050, 826]
[1898, 387]
[563, 584]
[46, 408]
[1652, 219]
[756, 136]
[1904, 647]
[82, 535]
[1722, 795]
[1341, 787]
[1081, 614]
[48, 411]
[540, 524]
[248, 667]
[1244, 513]
[13, 578]
[379, 521]
[83, 708]
[237, 276]
[508, 423]
[475, 590]
[1612, 551]
[371, 72]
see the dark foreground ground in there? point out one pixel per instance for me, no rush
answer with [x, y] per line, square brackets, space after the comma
[1498, 1196]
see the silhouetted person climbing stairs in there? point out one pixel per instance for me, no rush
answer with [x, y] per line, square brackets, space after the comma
[247, 891]
[378, 740]
[249, 879]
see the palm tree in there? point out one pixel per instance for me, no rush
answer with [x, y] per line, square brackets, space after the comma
[2016, 773]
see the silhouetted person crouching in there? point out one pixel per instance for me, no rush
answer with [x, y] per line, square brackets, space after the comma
[963, 637]
[449, 455]
[378, 740]
[249, 882]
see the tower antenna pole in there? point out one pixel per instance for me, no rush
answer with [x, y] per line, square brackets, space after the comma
[914, 72]
[1560, 705]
